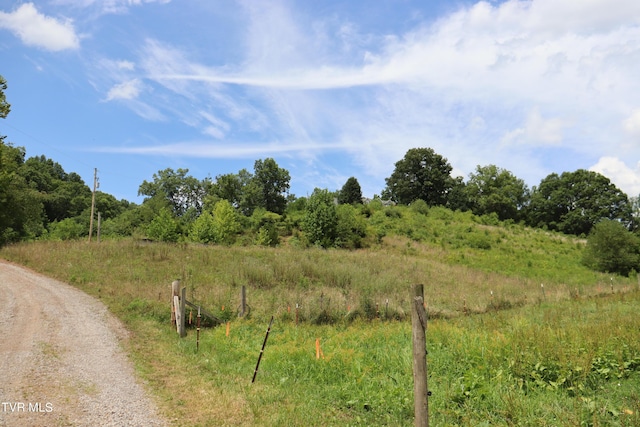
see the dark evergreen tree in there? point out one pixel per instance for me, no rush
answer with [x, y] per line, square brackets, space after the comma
[351, 193]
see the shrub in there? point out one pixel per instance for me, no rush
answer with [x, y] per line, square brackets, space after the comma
[611, 248]
[351, 228]
[163, 227]
[320, 223]
[67, 229]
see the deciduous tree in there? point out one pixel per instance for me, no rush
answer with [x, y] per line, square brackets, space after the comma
[421, 174]
[575, 201]
[495, 190]
[320, 223]
[271, 185]
[611, 248]
[183, 191]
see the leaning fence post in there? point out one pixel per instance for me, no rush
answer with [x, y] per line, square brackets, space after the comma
[262, 351]
[419, 326]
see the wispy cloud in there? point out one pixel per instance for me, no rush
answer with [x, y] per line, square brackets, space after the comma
[219, 150]
[36, 29]
[108, 6]
[125, 90]
[487, 84]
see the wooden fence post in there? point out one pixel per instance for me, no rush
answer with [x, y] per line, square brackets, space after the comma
[175, 290]
[419, 326]
[243, 301]
[181, 326]
[177, 312]
[198, 331]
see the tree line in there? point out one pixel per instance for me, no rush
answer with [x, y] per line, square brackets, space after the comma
[39, 200]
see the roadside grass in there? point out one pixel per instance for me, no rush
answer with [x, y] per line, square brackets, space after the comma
[501, 350]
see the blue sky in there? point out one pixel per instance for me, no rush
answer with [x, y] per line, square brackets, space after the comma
[329, 89]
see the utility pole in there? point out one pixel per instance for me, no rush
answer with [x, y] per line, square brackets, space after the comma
[96, 185]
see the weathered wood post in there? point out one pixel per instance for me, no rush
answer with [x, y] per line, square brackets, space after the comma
[182, 330]
[175, 290]
[419, 327]
[198, 331]
[243, 301]
[99, 225]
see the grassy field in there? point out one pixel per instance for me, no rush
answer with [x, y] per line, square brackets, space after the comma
[503, 350]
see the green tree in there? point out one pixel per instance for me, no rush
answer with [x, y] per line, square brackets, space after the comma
[351, 228]
[64, 195]
[611, 248]
[164, 227]
[184, 192]
[575, 201]
[203, 229]
[266, 188]
[268, 235]
[421, 174]
[20, 206]
[225, 222]
[229, 187]
[457, 198]
[351, 193]
[492, 189]
[320, 222]
[21, 209]
[271, 184]
[221, 225]
[5, 107]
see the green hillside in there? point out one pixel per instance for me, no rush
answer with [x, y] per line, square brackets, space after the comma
[520, 332]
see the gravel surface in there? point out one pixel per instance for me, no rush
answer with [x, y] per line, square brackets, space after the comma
[61, 362]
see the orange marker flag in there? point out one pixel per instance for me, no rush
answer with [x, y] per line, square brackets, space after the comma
[319, 353]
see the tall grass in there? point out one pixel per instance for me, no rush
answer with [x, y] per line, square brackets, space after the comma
[501, 350]
[342, 285]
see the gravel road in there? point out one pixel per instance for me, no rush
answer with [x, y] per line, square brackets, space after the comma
[61, 362]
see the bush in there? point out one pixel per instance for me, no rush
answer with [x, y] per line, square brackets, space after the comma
[268, 235]
[352, 227]
[220, 226]
[320, 223]
[611, 248]
[164, 227]
[67, 229]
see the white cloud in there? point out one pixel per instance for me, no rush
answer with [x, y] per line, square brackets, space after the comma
[126, 65]
[109, 6]
[536, 131]
[36, 29]
[225, 150]
[216, 127]
[632, 124]
[125, 90]
[491, 83]
[624, 177]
